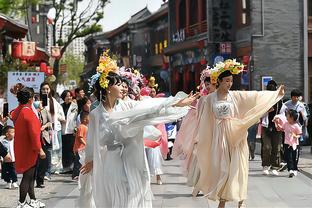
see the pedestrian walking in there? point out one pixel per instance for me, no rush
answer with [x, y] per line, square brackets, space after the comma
[271, 138]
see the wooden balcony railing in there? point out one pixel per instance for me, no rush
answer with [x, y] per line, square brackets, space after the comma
[196, 29]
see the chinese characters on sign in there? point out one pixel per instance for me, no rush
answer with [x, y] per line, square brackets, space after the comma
[179, 36]
[225, 48]
[28, 49]
[28, 79]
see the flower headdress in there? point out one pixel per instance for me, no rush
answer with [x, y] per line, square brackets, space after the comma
[205, 73]
[152, 82]
[106, 65]
[132, 75]
[230, 64]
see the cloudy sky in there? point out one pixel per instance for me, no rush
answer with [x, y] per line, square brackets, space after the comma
[119, 11]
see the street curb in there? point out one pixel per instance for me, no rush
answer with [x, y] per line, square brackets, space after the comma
[309, 175]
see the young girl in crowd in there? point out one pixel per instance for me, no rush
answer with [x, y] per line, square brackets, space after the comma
[8, 168]
[292, 131]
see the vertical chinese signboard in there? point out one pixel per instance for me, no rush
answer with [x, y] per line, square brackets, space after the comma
[28, 79]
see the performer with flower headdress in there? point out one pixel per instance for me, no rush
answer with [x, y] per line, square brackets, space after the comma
[114, 150]
[222, 149]
[187, 137]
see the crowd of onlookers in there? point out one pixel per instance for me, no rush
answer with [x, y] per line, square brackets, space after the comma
[283, 129]
[46, 139]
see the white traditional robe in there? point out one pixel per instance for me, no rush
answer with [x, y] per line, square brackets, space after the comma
[115, 144]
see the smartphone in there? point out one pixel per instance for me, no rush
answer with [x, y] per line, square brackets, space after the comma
[5, 109]
[44, 99]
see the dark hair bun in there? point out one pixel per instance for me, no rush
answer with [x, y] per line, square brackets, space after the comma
[16, 88]
[24, 95]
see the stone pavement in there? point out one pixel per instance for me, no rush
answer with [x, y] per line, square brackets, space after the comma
[263, 191]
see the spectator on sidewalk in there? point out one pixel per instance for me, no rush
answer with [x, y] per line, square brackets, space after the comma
[57, 114]
[251, 138]
[79, 93]
[70, 109]
[8, 168]
[26, 145]
[271, 138]
[84, 105]
[46, 142]
[297, 105]
[80, 143]
[292, 133]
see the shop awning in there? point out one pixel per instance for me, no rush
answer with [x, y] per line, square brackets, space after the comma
[12, 28]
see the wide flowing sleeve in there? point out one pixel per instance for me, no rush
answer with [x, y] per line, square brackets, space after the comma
[250, 106]
[148, 112]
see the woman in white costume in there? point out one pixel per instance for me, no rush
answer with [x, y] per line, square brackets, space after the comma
[115, 151]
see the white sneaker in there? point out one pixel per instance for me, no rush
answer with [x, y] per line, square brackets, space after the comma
[295, 172]
[274, 172]
[8, 186]
[36, 204]
[266, 170]
[47, 178]
[23, 205]
[15, 185]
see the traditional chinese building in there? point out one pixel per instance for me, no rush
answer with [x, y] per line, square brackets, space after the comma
[187, 43]
[138, 43]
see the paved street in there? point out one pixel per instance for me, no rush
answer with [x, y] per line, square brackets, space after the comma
[263, 191]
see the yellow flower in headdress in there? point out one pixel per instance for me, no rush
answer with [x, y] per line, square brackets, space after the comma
[106, 65]
[152, 83]
[232, 65]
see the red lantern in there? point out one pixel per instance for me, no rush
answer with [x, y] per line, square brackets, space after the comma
[17, 49]
[203, 61]
[43, 67]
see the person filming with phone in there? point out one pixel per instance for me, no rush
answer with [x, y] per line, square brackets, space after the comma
[27, 146]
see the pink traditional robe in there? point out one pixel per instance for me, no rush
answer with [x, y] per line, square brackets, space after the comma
[222, 149]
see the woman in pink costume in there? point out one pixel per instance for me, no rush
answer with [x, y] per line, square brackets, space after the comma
[186, 141]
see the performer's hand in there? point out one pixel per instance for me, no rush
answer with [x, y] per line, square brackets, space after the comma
[188, 101]
[86, 168]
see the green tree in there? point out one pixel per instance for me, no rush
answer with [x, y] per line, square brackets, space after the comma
[16, 8]
[81, 19]
[74, 67]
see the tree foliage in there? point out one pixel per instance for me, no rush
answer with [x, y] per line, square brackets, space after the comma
[74, 67]
[81, 19]
[16, 8]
